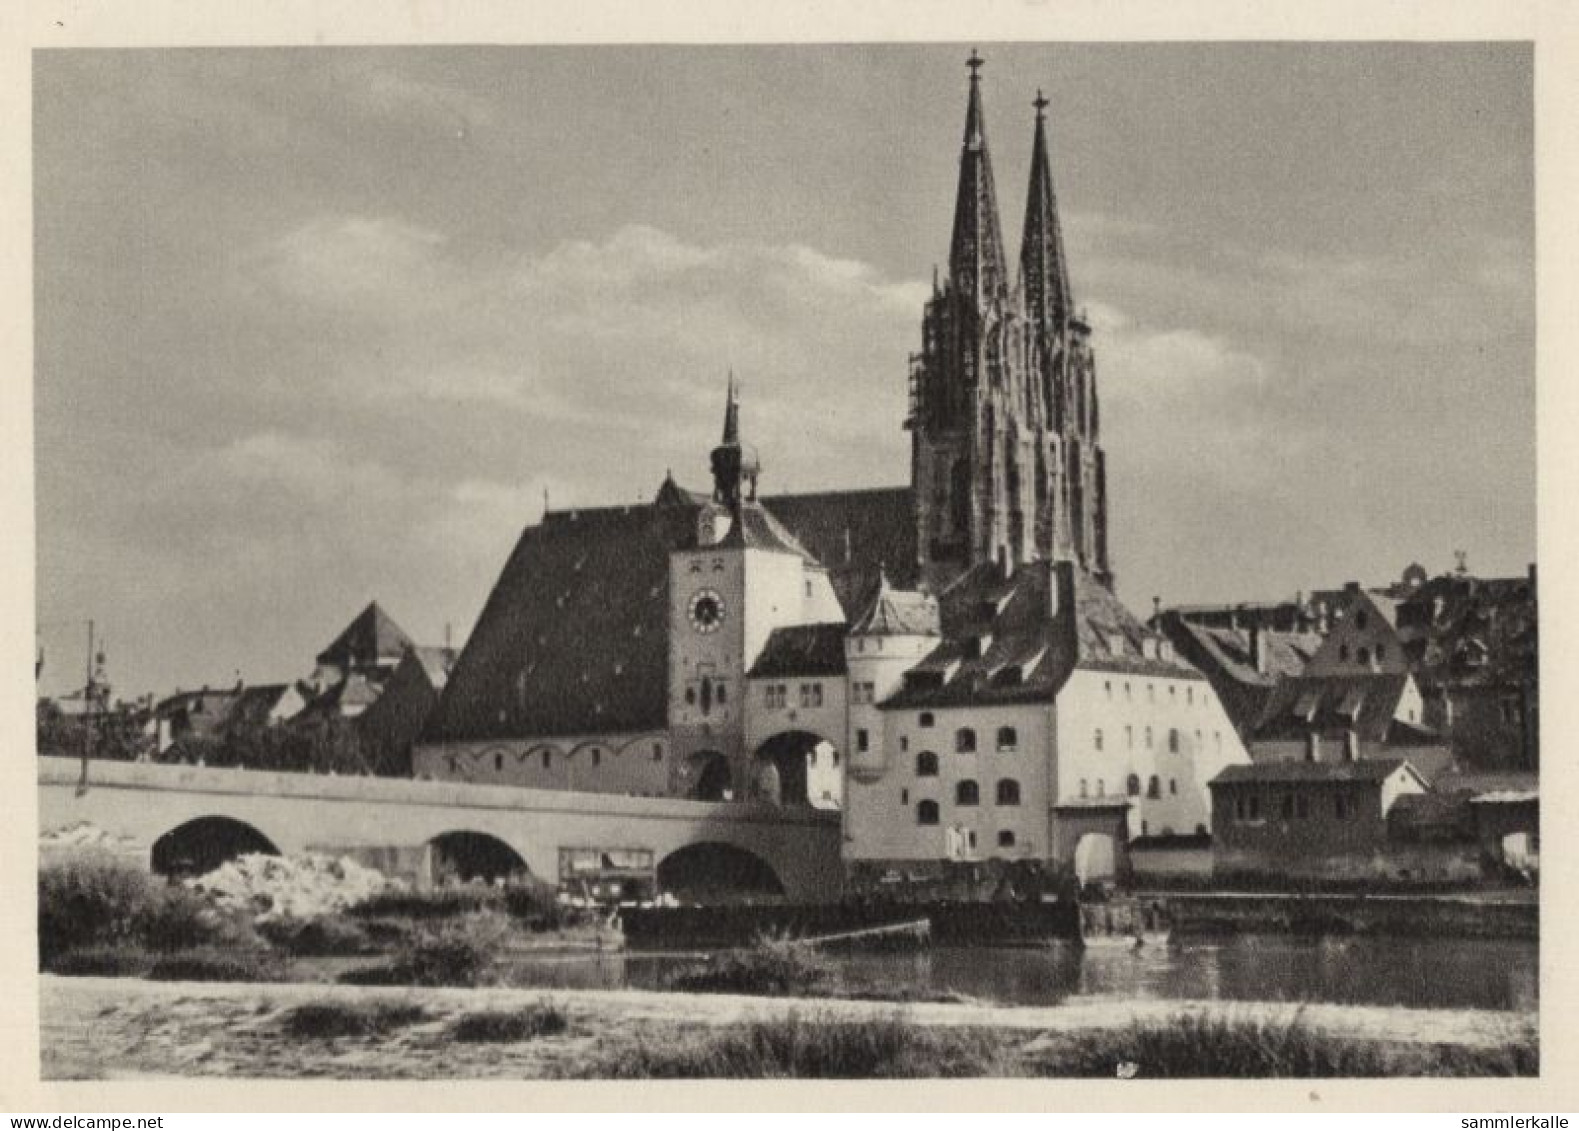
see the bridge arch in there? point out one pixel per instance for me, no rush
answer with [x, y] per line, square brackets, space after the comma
[198, 846]
[466, 855]
[717, 872]
[798, 768]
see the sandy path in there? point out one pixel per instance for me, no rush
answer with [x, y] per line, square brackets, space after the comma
[115, 1027]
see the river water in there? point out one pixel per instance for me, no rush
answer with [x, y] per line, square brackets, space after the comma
[1419, 973]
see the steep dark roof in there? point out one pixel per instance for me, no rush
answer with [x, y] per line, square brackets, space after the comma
[896, 612]
[1232, 650]
[805, 649]
[1016, 639]
[1364, 770]
[1461, 631]
[1365, 702]
[574, 637]
[371, 636]
[865, 529]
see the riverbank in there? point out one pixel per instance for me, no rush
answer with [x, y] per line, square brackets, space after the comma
[98, 1028]
[1466, 916]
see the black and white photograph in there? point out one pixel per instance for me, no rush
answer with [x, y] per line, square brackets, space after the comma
[971, 559]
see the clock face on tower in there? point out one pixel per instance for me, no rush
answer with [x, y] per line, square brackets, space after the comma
[706, 610]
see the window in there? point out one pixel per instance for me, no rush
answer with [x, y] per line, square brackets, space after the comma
[1083, 792]
[1286, 808]
[1154, 787]
[1360, 619]
[970, 838]
[1107, 686]
[1173, 740]
[836, 756]
[965, 740]
[1343, 652]
[861, 692]
[863, 741]
[1126, 690]
[904, 797]
[927, 813]
[1189, 696]
[1148, 738]
[1151, 692]
[1096, 739]
[1145, 828]
[1340, 807]
[1172, 691]
[1132, 785]
[904, 743]
[597, 757]
[967, 792]
[808, 589]
[1008, 791]
[548, 756]
[811, 695]
[1008, 738]
[1101, 787]
[498, 763]
[723, 693]
[925, 719]
[1173, 787]
[1129, 738]
[1364, 655]
[926, 764]
[1006, 838]
[657, 752]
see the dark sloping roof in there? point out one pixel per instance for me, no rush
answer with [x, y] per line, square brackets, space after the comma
[1364, 701]
[897, 612]
[1110, 637]
[1364, 770]
[1462, 631]
[865, 529]
[1233, 651]
[371, 636]
[574, 637]
[805, 649]
[435, 662]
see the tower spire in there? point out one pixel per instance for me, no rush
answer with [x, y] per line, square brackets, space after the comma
[735, 465]
[976, 262]
[1044, 270]
[732, 413]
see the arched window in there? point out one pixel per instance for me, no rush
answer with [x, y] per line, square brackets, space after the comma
[1008, 738]
[1097, 741]
[1154, 786]
[965, 740]
[1083, 790]
[1173, 741]
[1008, 791]
[967, 793]
[926, 764]
[1132, 785]
[548, 757]
[597, 756]
[927, 812]
[1148, 738]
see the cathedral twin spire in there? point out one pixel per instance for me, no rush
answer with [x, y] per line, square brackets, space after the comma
[977, 264]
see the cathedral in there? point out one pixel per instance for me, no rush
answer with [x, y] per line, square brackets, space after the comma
[946, 663]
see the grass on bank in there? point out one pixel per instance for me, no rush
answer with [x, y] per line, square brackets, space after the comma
[542, 1019]
[1185, 1046]
[329, 1018]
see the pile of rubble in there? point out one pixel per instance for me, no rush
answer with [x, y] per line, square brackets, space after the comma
[291, 887]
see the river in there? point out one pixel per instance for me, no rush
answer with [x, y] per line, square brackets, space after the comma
[1419, 973]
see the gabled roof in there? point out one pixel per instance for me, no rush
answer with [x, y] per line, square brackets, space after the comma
[1364, 770]
[805, 649]
[1017, 639]
[896, 612]
[1232, 651]
[371, 636]
[1364, 702]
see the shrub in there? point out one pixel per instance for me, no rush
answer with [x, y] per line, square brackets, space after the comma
[545, 1019]
[90, 899]
[210, 965]
[322, 935]
[532, 904]
[465, 952]
[101, 962]
[94, 900]
[1192, 1045]
[809, 1047]
[321, 1019]
[774, 967]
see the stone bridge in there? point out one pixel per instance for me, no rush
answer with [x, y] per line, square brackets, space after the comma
[402, 826]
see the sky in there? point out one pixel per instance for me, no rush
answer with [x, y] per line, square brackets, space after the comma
[318, 326]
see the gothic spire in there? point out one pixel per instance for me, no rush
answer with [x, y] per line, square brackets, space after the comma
[1044, 270]
[735, 466]
[976, 262]
[732, 414]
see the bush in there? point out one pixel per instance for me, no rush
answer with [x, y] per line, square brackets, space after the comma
[101, 962]
[529, 903]
[809, 1048]
[94, 900]
[465, 952]
[775, 967]
[209, 965]
[1192, 1045]
[545, 1019]
[321, 1019]
[321, 936]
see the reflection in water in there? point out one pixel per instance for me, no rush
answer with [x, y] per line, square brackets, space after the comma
[1421, 973]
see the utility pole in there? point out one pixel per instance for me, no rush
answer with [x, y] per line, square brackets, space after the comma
[87, 716]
